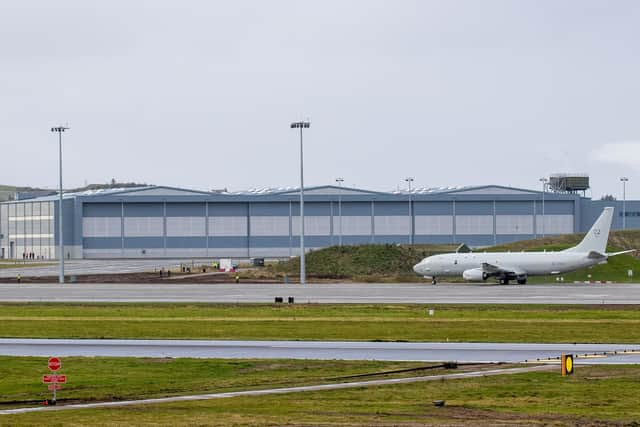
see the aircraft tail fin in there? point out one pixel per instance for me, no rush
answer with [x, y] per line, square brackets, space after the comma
[596, 238]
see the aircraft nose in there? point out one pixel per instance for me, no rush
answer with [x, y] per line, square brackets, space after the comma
[420, 267]
[416, 268]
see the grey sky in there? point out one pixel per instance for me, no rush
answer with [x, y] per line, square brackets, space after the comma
[200, 94]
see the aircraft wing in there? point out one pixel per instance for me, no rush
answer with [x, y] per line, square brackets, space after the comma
[493, 269]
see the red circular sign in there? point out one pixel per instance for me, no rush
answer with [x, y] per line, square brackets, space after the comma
[54, 363]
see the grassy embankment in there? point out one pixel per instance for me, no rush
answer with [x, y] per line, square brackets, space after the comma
[360, 322]
[121, 378]
[393, 263]
[597, 395]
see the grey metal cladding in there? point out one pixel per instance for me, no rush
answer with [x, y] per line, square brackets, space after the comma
[186, 226]
[269, 225]
[514, 224]
[228, 242]
[228, 226]
[186, 242]
[143, 242]
[514, 208]
[356, 225]
[433, 208]
[313, 225]
[270, 241]
[474, 208]
[355, 209]
[475, 239]
[555, 223]
[433, 239]
[105, 226]
[312, 241]
[102, 209]
[102, 243]
[143, 209]
[143, 226]
[228, 209]
[433, 224]
[474, 224]
[392, 208]
[271, 209]
[185, 209]
[312, 209]
[391, 225]
[556, 207]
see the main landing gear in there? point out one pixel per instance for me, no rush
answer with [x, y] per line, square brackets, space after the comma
[521, 281]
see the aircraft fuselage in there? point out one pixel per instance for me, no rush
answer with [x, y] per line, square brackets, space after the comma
[531, 263]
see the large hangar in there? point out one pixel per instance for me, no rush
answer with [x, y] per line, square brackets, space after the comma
[158, 221]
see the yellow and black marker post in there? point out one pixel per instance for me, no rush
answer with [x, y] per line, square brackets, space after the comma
[567, 364]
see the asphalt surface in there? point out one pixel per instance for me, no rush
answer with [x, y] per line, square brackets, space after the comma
[326, 293]
[320, 387]
[322, 350]
[78, 267]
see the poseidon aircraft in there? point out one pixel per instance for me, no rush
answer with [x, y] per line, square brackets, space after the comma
[506, 266]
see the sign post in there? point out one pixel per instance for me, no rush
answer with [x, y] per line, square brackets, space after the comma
[53, 380]
[566, 360]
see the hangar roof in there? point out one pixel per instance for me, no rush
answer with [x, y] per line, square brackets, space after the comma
[275, 192]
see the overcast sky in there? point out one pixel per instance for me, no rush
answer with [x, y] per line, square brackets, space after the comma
[200, 94]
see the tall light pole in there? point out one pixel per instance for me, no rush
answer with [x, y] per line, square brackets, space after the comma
[409, 181]
[340, 181]
[301, 125]
[60, 129]
[544, 189]
[624, 180]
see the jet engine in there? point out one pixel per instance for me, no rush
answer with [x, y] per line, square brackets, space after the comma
[474, 274]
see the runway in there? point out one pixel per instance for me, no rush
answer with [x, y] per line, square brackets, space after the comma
[370, 293]
[322, 350]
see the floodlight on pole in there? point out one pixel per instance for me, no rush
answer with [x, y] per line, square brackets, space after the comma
[60, 130]
[409, 181]
[301, 125]
[340, 181]
[544, 189]
[624, 180]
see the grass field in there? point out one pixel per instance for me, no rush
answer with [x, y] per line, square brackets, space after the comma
[110, 378]
[598, 395]
[362, 322]
[22, 264]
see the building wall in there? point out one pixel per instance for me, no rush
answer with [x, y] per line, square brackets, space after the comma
[175, 225]
[272, 229]
[26, 228]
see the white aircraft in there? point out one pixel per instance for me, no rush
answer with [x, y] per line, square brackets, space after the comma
[518, 266]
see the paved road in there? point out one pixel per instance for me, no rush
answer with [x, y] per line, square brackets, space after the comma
[323, 350]
[328, 293]
[78, 267]
[320, 387]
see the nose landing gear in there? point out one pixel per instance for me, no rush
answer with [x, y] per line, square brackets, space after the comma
[434, 281]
